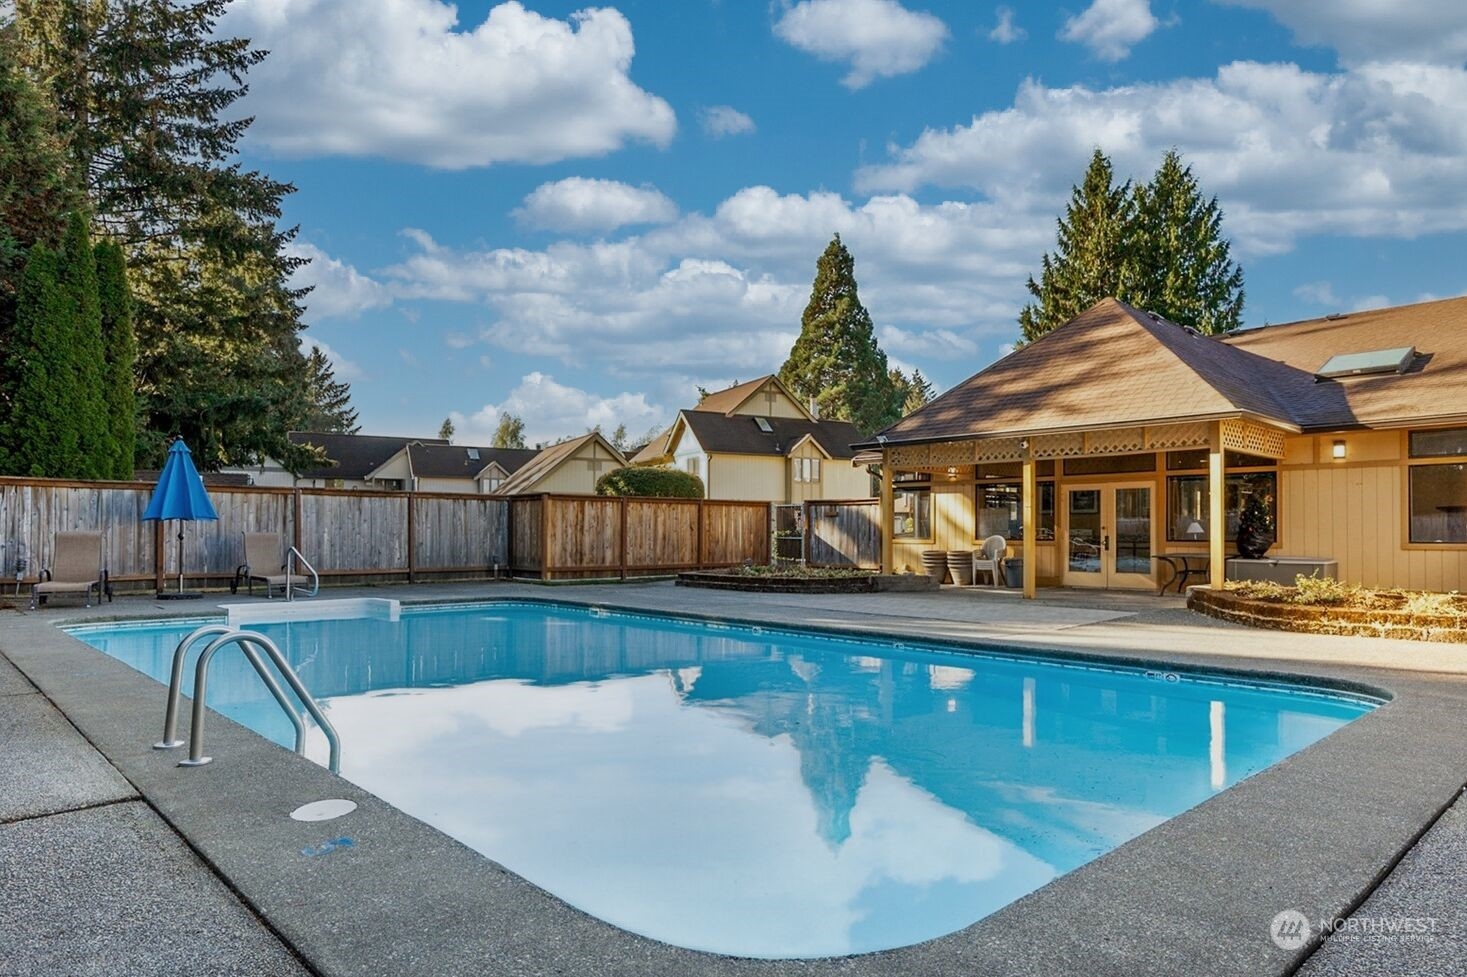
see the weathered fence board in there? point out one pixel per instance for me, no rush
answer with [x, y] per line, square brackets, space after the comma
[576, 536]
[454, 533]
[844, 533]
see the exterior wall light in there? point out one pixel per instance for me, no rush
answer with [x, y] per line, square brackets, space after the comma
[952, 474]
[1337, 450]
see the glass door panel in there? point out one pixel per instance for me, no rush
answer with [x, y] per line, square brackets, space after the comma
[1133, 530]
[1085, 532]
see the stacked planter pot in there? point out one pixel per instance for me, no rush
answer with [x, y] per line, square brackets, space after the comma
[960, 565]
[934, 564]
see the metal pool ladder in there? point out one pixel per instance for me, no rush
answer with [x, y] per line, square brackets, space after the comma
[251, 643]
[291, 556]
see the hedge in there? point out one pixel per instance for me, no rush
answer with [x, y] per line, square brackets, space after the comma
[664, 483]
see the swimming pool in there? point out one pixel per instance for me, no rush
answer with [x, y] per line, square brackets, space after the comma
[755, 791]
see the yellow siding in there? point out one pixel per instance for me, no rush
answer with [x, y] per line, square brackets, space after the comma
[842, 480]
[1354, 510]
[462, 486]
[752, 478]
[769, 401]
[578, 474]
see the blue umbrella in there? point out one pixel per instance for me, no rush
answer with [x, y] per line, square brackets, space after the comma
[180, 495]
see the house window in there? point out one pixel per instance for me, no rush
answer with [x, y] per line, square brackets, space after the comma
[807, 469]
[494, 484]
[692, 465]
[912, 511]
[1110, 464]
[1187, 501]
[1439, 444]
[1000, 507]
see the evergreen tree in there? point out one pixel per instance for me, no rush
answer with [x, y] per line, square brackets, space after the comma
[144, 91]
[510, 433]
[836, 359]
[1184, 270]
[329, 398]
[121, 355]
[918, 392]
[445, 430]
[86, 352]
[1093, 255]
[43, 437]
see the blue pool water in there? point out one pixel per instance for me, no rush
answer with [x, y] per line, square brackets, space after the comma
[750, 791]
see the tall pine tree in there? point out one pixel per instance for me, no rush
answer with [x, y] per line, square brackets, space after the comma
[330, 398]
[1184, 269]
[86, 354]
[42, 429]
[1093, 255]
[836, 360]
[144, 91]
[121, 349]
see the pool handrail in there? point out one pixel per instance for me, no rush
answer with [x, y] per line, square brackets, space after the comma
[251, 643]
[291, 556]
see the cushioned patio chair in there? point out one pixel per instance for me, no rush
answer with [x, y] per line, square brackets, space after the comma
[262, 561]
[989, 559]
[76, 568]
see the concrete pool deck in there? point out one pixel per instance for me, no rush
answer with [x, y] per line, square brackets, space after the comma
[1317, 832]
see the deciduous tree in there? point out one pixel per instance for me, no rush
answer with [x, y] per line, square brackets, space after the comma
[510, 433]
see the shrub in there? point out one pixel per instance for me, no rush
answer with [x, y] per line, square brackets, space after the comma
[665, 483]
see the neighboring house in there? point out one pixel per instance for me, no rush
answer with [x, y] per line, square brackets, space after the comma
[1138, 437]
[754, 441]
[351, 460]
[570, 467]
[452, 468]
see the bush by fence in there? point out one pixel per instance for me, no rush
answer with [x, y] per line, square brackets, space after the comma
[662, 483]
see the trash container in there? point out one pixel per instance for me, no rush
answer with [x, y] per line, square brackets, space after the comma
[1013, 571]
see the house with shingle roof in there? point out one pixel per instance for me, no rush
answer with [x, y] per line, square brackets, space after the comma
[755, 441]
[1121, 439]
[570, 467]
[438, 466]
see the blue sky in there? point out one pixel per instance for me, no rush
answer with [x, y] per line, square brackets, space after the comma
[579, 215]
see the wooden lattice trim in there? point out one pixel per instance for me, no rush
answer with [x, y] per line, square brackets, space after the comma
[951, 453]
[1169, 436]
[1118, 441]
[999, 449]
[1058, 445]
[1252, 438]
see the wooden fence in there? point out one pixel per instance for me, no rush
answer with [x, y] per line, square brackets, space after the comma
[579, 536]
[843, 533]
[347, 535]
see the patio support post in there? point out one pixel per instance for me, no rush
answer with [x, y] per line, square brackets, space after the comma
[1217, 520]
[888, 514]
[1029, 495]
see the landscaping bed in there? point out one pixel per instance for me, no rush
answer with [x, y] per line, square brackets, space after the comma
[801, 580]
[1329, 607]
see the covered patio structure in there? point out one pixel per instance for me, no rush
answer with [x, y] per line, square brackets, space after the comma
[1106, 453]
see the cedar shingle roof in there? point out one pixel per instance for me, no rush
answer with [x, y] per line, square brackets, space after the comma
[1434, 388]
[354, 456]
[724, 401]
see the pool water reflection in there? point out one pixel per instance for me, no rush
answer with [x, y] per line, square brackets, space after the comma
[761, 794]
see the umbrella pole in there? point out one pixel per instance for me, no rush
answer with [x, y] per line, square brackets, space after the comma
[180, 556]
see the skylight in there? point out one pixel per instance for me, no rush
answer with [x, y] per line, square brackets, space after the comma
[473, 454]
[763, 423]
[1374, 361]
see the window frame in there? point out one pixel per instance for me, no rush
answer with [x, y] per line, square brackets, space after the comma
[1045, 486]
[921, 490]
[1414, 461]
[1172, 478]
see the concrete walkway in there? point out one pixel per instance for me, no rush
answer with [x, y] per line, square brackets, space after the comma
[92, 881]
[75, 835]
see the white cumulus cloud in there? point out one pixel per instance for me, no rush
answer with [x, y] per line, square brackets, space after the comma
[1375, 30]
[725, 120]
[580, 204]
[1006, 31]
[1379, 150]
[337, 288]
[878, 38]
[401, 79]
[1110, 28]
[553, 410]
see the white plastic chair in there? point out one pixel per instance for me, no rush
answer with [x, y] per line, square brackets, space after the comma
[989, 559]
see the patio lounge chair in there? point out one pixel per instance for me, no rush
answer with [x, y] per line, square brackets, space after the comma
[989, 559]
[261, 562]
[76, 568]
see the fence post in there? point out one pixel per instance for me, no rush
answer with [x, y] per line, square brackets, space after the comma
[412, 539]
[622, 563]
[805, 533]
[702, 559]
[295, 518]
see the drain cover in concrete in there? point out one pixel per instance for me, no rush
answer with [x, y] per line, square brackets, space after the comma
[323, 810]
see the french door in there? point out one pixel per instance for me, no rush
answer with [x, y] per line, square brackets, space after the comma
[1108, 536]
